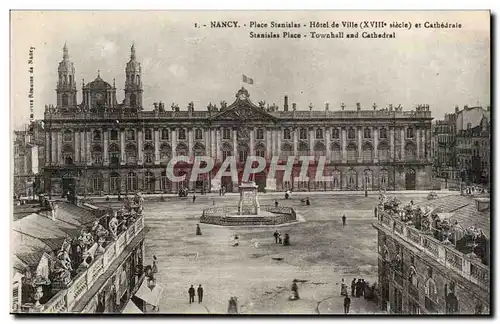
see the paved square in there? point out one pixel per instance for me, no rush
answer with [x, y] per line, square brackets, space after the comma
[322, 252]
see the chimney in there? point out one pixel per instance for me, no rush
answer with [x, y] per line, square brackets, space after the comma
[285, 106]
[358, 106]
[294, 106]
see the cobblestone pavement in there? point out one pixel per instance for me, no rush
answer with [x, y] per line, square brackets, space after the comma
[322, 252]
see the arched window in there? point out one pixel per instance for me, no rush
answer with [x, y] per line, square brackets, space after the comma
[226, 151]
[198, 134]
[226, 133]
[148, 135]
[303, 149]
[114, 183]
[131, 181]
[319, 150]
[335, 133]
[352, 180]
[67, 154]
[243, 153]
[114, 154]
[133, 99]
[384, 179]
[97, 135]
[383, 152]
[351, 133]
[337, 178]
[164, 134]
[383, 133]
[65, 100]
[165, 152]
[336, 152]
[181, 150]
[131, 135]
[303, 133]
[97, 154]
[149, 182]
[165, 183]
[67, 136]
[149, 152]
[260, 150]
[260, 133]
[367, 152]
[410, 152]
[286, 134]
[367, 132]
[319, 133]
[96, 183]
[181, 134]
[199, 149]
[131, 154]
[409, 132]
[352, 152]
[113, 135]
[431, 290]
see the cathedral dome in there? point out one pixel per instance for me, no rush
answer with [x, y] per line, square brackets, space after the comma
[66, 65]
[98, 84]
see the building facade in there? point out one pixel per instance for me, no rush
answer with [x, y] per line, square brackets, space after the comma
[104, 147]
[29, 160]
[419, 274]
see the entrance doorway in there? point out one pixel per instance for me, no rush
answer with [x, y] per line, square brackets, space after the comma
[410, 180]
[260, 181]
[68, 185]
[227, 183]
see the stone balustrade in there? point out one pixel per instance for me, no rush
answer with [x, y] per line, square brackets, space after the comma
[469, 268]
[65, 299]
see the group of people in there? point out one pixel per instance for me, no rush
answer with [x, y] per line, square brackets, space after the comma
[222, 191]
[279, 240]
[192, 292]
[358, 288]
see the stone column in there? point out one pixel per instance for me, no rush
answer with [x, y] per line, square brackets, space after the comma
[213, 144]
[190, 142]
[47, 148]
[418, 144]
[375, 144]
[392, 140]
[206, 138]
[174, 141]
[157, 146]
[278, 141]
[88, 139]
[360, 144]
[328, 135]
[140, 145]
[122, 146]
[59, 148]
[295, 142]
[252, 141]
[344, 144]
[105, 154]
[427, 143]
[235, 144]
[218, 144]
[269, 148]
[53, 147]
[311, 141]
[403, 129]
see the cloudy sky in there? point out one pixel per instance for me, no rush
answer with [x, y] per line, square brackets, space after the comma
[181, 63]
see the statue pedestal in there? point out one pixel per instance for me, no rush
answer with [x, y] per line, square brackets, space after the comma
[249, 202]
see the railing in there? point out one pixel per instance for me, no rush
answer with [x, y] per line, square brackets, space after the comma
[65, 299]
[446, 255]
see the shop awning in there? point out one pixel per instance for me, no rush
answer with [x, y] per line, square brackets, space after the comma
[131, 308]
[150, 296]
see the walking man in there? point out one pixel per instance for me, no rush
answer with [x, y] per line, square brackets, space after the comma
[194, 197]
[276, 234]
[276, 203]
[353, 286]
[191, 294]
[200, 294]
[343, 220]
[347, 304]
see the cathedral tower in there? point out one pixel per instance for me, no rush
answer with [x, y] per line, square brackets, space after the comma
[133, 83]
[66, 85]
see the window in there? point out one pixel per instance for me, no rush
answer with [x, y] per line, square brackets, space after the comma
[243, 155]
[336, 152]
[336, 133]
[260, 150]
[131, 154]
[133, 100]
[67, 136]
[409, 132]
[286, 134]
[131, 181]
[226, 133]
[130, 135]
[164, 134]
[198, 134]
[97, 154]
[97, 135]
[182, 134]
[383, 152]
[383, 133]
[114, 154]
[351, 133]
[114, 135]
[260, 133]
[303, 133]
[165, 183]
[319, 133]
[226, 151]
[96, 184]
[352, 153]
[148, 135]
[148, 158]
[65, 100]
[149, 182]
[367, 133]
[114, 183]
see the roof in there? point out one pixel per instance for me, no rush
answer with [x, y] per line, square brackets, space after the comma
[27, 250]
[464, 211]
[98, 84]
[471, 115]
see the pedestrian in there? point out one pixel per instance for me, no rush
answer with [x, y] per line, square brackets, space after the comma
[295, 290]
[353, 286]
[198, 229]
[200, 294]
[308, 203]
[194, 197]
[358, 288]
[280, 240]
[363, 287]
[286, 241]
[191, 294]
[343, 288]
[343, 220]
[347, 304]
[213, 202]
[366, 193]
[276, 234]
[276, 203]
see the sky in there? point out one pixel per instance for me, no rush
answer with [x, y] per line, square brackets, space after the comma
[180, 63]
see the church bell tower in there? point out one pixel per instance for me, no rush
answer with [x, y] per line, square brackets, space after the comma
[66, 85]
[133, 83]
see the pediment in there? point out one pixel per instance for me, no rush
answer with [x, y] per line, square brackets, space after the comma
[243, 110]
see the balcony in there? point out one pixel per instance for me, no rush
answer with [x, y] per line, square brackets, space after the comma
[65, 299]
[469, 268]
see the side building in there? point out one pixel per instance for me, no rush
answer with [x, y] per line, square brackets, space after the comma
[435, 260]
[104, 147]
[69, 258]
